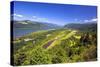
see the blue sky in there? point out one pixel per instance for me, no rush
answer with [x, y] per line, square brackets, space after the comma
[53, 13]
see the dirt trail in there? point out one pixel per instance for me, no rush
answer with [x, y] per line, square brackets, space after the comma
[66, 37]
[69, 35]
[48, 44]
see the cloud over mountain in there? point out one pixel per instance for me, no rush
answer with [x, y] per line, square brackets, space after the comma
[18, 15]
[91, 20]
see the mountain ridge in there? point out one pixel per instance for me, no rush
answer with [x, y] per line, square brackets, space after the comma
[34, 24]
[82, 26]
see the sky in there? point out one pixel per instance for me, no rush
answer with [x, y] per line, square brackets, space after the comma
[60, 14]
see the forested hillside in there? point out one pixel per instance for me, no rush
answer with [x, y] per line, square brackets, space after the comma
[55, 46]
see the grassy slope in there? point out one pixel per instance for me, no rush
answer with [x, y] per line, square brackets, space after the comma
[41, 38]
[62, 37]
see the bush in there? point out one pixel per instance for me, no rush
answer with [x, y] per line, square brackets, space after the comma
[19, 58]
[90, 53]
[38, 56]
[58, 54]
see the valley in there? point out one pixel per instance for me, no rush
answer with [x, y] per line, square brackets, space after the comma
[54, 46]
[52, 33]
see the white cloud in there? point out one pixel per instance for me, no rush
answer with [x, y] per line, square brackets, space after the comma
[86, 20]
[91, 20]
[34, 17]
[39, 19]
[95, 19]
[18, 15]
[42, 19]
[77, 20]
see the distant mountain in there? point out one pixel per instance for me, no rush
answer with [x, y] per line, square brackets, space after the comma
[82, 26]
[25, 24]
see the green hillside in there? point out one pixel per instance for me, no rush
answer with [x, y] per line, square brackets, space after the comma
[90, 27]
[27, 24]
[55, 46]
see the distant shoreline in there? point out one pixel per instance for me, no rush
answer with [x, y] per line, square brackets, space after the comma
[18, 36]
